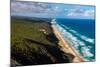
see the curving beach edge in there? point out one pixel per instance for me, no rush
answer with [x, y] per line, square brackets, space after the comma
[67, 48]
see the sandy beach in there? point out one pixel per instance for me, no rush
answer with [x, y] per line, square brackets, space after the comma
[66, 47]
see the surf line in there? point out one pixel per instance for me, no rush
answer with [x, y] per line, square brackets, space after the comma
[66, 46]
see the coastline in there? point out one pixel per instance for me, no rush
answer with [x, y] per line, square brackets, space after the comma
[66, 47]
[34, 48]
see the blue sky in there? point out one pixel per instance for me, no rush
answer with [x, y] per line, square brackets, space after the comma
[52, 10]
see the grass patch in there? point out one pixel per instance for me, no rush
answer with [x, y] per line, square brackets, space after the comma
[30, 46]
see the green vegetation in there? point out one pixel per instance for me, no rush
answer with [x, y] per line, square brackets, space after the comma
[33, 42]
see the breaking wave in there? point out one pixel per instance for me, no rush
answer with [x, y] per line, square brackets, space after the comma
[76, 40]
[90, 40]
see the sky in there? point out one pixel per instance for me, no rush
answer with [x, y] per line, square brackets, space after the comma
[52, 10]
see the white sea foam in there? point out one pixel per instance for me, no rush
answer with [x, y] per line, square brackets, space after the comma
[90, 40]
[75, 42]
[87, 39]
[86, 52]
[53, 21]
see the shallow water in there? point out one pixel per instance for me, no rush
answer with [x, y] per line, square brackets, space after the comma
[80, 33]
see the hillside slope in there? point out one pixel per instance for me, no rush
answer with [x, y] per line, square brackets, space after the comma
[34, 43]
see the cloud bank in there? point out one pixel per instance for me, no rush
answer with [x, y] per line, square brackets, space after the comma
[48, 9]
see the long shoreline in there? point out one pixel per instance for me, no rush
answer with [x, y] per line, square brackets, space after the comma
[66, 47]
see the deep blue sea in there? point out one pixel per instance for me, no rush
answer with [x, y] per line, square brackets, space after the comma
[79, 33]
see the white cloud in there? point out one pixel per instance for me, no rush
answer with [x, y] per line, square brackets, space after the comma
[40, 7]
[80, 12]
[33, 7]
[89, 13]
[29, 7]
[74, 12]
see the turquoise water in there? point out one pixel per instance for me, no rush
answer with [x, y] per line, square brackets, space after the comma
[80, 33]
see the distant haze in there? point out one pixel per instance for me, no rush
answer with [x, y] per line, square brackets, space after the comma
[52, 10]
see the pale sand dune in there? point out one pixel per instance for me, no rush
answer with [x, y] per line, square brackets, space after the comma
[66, 47]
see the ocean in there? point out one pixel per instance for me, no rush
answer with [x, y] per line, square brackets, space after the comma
[80, 34]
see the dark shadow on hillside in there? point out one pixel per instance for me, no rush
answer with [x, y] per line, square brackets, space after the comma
[52, 38]
[52, 55]
[59, 55]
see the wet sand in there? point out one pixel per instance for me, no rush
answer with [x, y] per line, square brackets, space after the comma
[67, 48]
